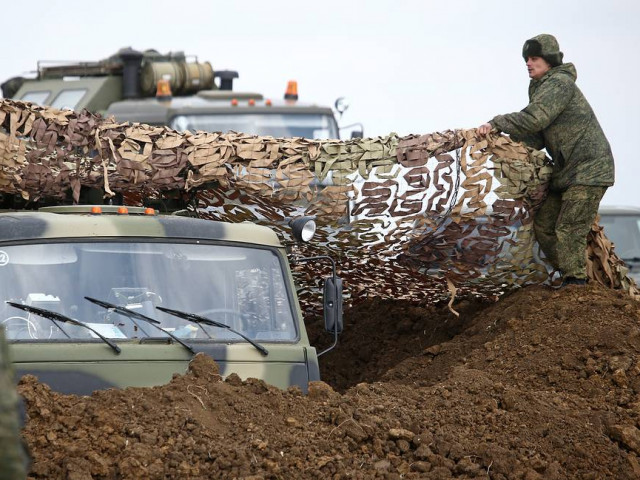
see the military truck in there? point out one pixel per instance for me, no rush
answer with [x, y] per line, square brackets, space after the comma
[111, 296]
[173, 90]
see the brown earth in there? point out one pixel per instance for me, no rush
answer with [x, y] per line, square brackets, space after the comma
[543, 384]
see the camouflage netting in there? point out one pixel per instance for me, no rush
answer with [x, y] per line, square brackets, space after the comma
[415, 217]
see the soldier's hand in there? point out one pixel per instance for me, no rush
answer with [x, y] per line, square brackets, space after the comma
[484, 129]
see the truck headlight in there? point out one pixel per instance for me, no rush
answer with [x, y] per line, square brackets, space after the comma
[303, 228]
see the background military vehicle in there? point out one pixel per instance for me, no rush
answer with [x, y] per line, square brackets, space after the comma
[126, 85]
[622, 226]
[106, 296]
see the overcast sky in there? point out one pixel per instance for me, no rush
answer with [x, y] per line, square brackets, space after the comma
[405, 66]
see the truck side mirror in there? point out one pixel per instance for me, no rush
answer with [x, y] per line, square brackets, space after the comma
[331, 299]
[333, 305]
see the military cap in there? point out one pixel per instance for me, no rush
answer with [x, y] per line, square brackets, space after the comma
[545, 46]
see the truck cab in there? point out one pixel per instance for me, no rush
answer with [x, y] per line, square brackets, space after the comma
[223, 111]
[96, 297]
[170, 89]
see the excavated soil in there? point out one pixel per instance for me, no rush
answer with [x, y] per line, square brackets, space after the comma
[543, 384]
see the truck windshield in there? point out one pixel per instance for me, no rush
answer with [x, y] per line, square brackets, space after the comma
[241, 287]
[271, 124]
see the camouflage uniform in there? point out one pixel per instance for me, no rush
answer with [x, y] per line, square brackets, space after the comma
[559, 119]
[12, 459]
[562, 224]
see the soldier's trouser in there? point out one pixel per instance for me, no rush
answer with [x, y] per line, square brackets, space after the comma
[12, 460]
[561, 226]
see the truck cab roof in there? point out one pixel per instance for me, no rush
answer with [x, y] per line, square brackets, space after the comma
[78, 222]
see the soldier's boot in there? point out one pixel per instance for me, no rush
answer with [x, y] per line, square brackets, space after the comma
[573, 281]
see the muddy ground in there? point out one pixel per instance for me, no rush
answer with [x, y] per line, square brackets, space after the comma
[544, 384]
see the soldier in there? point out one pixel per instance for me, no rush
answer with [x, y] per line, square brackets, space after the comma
[12, 458]
[559, 119]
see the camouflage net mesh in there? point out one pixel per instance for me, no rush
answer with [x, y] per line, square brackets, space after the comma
[417, 217]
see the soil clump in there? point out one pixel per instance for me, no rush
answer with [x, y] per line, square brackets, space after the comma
[543, 384]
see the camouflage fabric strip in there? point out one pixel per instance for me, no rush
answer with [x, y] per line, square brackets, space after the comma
[402, 214]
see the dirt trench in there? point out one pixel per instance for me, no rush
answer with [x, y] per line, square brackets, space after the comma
[543, 384]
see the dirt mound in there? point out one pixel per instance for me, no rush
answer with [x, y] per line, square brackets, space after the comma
[381, 333]
[542, 384]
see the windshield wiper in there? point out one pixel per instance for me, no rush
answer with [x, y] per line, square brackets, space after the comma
[138, 316]
[192, 317]
[631, 259]
[53, 316]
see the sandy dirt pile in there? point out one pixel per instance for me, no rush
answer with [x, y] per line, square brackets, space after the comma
[543, 384]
